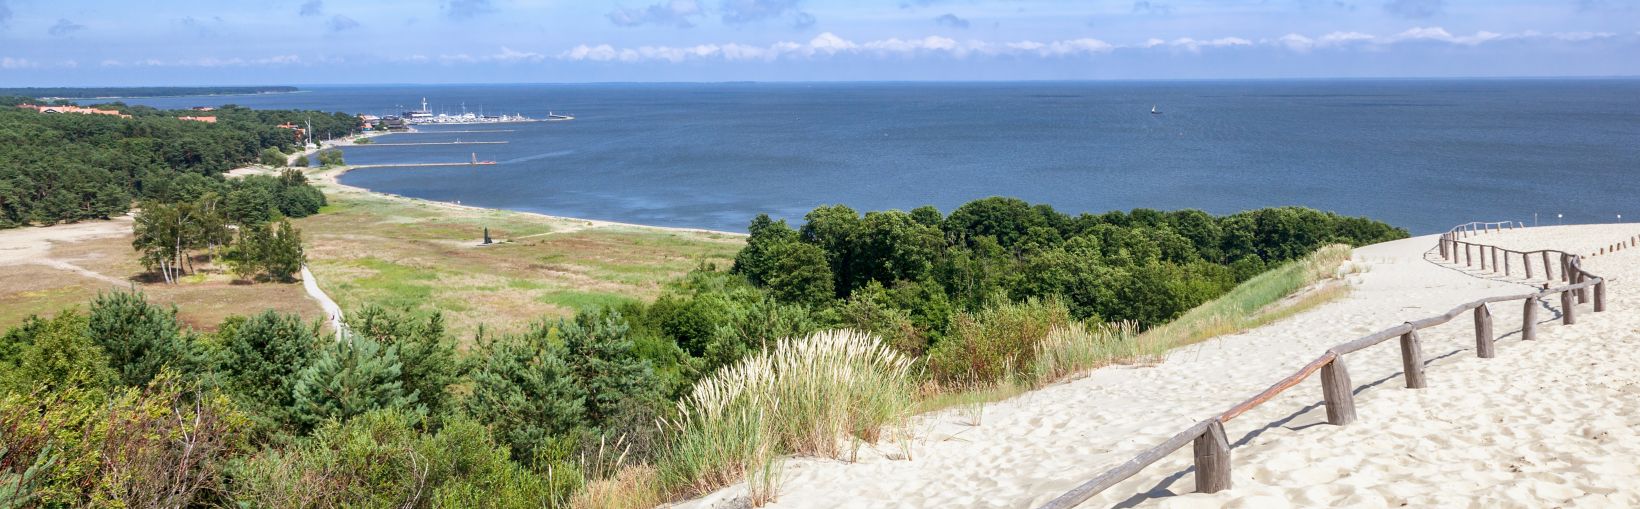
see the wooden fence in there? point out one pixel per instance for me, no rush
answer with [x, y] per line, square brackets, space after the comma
[1212, 447]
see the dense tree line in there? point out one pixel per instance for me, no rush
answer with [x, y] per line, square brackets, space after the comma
[95, 92]
[69, 167]
[1143, 266]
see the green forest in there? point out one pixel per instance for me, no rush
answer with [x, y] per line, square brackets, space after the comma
[623, 406]
[95, 92]
[69, 167]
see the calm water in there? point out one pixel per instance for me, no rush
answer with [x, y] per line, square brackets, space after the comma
[1422, 154]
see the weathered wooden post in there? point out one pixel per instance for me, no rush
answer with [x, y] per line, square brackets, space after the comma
[1468, 259]
[1212, 459]
[1568, 311]
[1336, 388]
[1494, 258]
[1412, 359]
[1483, 257]
[1565, 268]
[1483, 333]
[1528, 320]
[1506, 262]
[1526, 262]
[1579, 277]
[1548, 273]
[1600, 296]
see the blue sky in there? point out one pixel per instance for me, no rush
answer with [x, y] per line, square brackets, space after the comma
[69, 42]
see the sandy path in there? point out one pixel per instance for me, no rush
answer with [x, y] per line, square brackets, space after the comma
[32, 245]
[310, 284]
[1552, 423]
[1032, 448]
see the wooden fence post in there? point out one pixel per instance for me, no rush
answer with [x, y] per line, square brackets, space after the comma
[1212, 459]
[1548, 273]
[1483, 257]
[1468, 259]
[1526, 262]
[1336, 388]
[1600, 296]
[1412, 359]
[1528, 321]
[1578, 277]
[1483, 333]
[1568, 311]
[1506, 262]
[1565, 268]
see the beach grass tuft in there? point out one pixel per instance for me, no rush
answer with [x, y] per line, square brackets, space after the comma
[805, 396]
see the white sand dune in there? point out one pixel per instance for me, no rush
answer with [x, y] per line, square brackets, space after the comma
[1550, 423]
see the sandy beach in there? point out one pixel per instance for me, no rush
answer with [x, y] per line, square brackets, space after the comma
[1549, 423]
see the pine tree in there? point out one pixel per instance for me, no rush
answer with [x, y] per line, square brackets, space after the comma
[428, 356]
[351, 377]
[139, 338]
[261, 360]
[525, 392]
[605, 366]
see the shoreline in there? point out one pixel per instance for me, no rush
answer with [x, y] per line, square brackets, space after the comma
[331, 177]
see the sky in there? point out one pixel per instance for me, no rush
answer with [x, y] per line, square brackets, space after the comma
[268, 42]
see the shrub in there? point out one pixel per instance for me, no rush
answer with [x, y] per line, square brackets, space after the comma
[378, 459]
[995, 343]
[1073, 349]
[526, 393]
[139, 338]
[351, 377]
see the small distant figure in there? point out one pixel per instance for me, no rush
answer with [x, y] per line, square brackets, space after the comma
[486, 235]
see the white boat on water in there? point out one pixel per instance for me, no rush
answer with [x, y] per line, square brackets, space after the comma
[1154, 111]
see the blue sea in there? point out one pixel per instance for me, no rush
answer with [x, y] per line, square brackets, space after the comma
[1421, 154]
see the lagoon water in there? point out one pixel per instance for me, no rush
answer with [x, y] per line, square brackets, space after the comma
[1421, 154]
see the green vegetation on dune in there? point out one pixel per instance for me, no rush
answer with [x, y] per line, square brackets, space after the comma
[532, 372]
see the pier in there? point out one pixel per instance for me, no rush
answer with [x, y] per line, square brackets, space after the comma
[415, 165]
[466, 131]
[413, 144]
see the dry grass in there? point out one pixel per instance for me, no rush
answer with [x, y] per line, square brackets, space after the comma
[401, 253]
[203, 299]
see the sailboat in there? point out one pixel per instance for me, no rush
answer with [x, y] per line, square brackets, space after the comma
[1154, 111]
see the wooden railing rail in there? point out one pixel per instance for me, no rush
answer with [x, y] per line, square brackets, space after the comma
[1212, 449]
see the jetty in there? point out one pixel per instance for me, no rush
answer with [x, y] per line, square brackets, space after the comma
[413, 144]
[462, 131]
[417, 165]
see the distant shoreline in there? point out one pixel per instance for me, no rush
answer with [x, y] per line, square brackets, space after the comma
[333, 178]
[98, 98]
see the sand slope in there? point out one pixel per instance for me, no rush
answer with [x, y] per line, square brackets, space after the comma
[1543, 424]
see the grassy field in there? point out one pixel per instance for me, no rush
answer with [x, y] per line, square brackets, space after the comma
[366, 248]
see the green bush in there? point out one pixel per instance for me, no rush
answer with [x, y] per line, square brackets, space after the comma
[996, 343]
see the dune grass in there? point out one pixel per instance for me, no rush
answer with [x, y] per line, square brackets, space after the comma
[805, 396]
[1257, 301]
[812, 396]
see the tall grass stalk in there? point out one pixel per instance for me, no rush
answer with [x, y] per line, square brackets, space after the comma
[804, 396]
